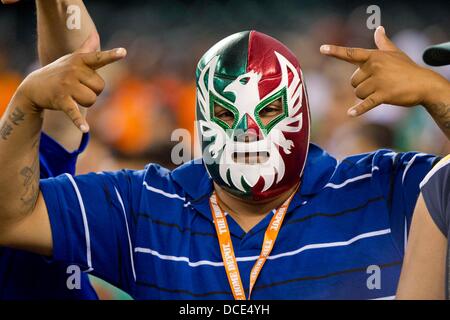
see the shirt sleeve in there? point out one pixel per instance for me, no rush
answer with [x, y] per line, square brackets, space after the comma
[55, 160]
[402, 174]
[436, 193]
[412, 168]
[92, 222]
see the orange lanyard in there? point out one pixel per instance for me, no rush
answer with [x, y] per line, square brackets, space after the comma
[227, 251]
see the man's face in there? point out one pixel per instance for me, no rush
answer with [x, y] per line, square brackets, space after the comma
[253, 115]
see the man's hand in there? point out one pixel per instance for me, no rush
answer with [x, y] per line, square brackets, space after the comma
[69, 81]
[387, 75]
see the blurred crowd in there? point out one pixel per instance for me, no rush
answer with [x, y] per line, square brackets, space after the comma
[152, 92]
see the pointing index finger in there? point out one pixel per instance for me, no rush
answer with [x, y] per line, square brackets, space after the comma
[352, 55]
[99, 59]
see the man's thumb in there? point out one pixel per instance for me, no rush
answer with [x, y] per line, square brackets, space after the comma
[91, 44]
[382, 41]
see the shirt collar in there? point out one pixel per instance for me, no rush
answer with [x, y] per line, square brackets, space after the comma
[318, 170]
[197, 184]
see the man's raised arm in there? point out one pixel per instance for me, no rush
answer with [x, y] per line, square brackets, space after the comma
[388, 75]
[58, 30]
[62, 85]
[62, 27]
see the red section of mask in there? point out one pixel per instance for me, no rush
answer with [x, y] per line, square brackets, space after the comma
[262, 59]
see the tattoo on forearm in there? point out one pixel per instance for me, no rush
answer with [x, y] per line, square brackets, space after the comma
[441, 113]
[5, 130]
[15, 118]
[30, 176]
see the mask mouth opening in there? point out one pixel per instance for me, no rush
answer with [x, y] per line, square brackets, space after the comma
[259, 157]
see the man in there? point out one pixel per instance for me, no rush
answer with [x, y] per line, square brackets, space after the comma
[267, 215]
[24, 275]
[425, 273]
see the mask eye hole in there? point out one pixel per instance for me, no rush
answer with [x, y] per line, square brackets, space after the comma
[271, 111]
[223, 114]
[244, 80]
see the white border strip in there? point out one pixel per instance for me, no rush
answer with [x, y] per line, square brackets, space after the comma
[385, 298]
[436, 168]
[174, 258]
[343, 184]
[332, 244]
[161, 192]
[85, 223]
[274, 257]
[409, 164]
[128, 232]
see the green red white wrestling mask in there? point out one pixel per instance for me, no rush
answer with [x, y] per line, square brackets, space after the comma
[247, 76]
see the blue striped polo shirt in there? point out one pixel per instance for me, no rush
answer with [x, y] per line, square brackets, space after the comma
[151, 232]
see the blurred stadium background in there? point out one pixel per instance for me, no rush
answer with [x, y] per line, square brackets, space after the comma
[153, 91]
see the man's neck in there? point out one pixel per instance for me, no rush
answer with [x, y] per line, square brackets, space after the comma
[248, 213]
